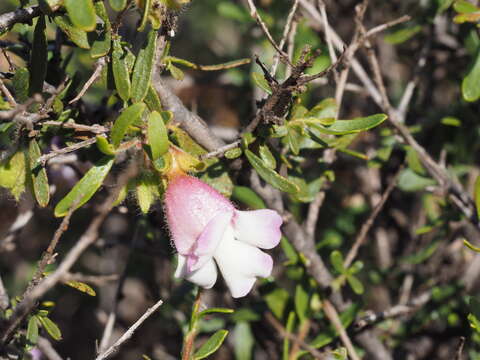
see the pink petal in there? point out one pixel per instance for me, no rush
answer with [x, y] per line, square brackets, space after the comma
[240, 264]
[208, 241]
[190, 204]
[258, 227]
[206, 276]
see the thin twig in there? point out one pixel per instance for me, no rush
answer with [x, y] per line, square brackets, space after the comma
[254, 13]
[44, 158]
[313, 212]
[99, 64]
[47, 349]
[8, 95]
[4, 299]
[23, 15]
[332, 315]
[395, 311]
[95, 129]
[89, 237]
[459, 349]
[222, 150]
[48, 255]
[286, 32]
[368, 224]
[129, 333]
[285, 334]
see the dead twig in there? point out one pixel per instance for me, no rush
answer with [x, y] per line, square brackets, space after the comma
[99, 64]
[44, 158]
[359, 241]
[129, 333]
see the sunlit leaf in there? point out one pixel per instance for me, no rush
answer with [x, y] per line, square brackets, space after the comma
[157, 135]
[41, 188]
[50, 327]
[128, 116]
[211, 345]
[85, 187]
[82, 14]
[142, 71]
[82, 287]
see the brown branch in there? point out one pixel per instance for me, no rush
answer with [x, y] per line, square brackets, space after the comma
[8, 95]
[99, 64]
[359, 241]
[129, 333]
[95, 129]
[332, 315]
[254, 13]
[44, 158]
[24, 15]
[88, 238]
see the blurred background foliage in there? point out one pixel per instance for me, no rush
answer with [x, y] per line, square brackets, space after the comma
[414, 255]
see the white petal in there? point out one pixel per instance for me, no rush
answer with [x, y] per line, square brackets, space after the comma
[205, 277]
[208, 241]
[241, 263]
[258, 227]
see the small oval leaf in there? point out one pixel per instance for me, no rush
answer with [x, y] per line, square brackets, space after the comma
[41, 188]
[118, 5]
[82, 14]
[157, 135]
[78, 36]
[104, 146]
[121, 74]
[82, 287]
[85, 187]
[471, 82]
[342, 127]
[270, 175]
[211, 345]
[50, 327]
[142, 70]
[130, 115]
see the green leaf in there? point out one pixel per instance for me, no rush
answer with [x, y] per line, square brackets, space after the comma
[302, 299]
[157, 135]
[211, 345]
[286, 341]
[41, 188]
[176, 73]
[248, 197]
[422, 255]
[13, 174]
[85, 187]
[148, 188]
[104, 146]
[402, 35]
[118, 5]
[142, 71]
[128, 116]
[463, 6]
[471, 82]
[270, 175]
[342, 127]
[82, 287]
[336, 258]
[411, 181]
[32, 330]
[21, 84]
[267, 157]
[215, 310]
[38, 58]
[326, 109]
[78, 36]
[414, 162]
[355, 284]
[277, 301]
[101, 46]
[233, 153]
[121, 74]
[82, 14]
[147, 7]
[50, 327]
[243, 340]
[152, 100]
[259, 80]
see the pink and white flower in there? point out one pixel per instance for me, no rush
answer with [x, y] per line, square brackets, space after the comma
[209, 232]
